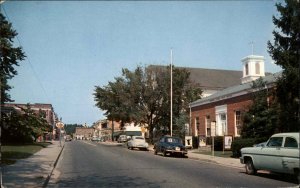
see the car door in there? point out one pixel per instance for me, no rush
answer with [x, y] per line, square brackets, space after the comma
[290, 155]
[269, 157]
[160, 144]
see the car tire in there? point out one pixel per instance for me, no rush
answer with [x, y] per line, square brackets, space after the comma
[155, 151]
[250, 169]
[164, 153]
[297, 175]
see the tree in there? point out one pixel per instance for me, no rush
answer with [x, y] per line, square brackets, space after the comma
[71, 128]
[260, 121]
[10, 57]
[24, 127]
[143, 96]
[285, 52]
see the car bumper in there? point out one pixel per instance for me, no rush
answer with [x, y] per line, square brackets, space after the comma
[176, 151]
[140, 146]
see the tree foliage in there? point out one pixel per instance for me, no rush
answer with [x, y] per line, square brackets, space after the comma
[9, 57]
[143, 96]
[260, 121]
[285, 50]
[24, 127]
[71, 128]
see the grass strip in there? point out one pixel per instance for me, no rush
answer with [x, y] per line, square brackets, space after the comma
[12, 152]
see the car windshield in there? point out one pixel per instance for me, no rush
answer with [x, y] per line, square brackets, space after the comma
[173, 140]
[275, 142]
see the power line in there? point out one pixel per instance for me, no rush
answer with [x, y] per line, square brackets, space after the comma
[27, 57]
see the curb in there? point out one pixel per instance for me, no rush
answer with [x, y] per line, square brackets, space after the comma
[54, 165]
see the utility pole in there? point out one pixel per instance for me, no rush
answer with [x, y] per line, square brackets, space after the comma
[171, 93]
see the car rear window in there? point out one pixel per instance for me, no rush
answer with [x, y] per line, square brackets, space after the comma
[173, 140]
[290, 143]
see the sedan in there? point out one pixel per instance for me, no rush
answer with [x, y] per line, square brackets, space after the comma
[137, 142]
[170, 145]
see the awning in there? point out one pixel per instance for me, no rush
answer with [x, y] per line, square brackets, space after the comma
[133, 133]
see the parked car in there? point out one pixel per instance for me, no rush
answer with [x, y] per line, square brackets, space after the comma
[280, 154]
[260, 144]
[122, 138]
[137, 142]
[95, 139]
[68, 138]
[170, 145]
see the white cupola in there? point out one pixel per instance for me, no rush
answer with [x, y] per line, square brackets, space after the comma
[253, 68]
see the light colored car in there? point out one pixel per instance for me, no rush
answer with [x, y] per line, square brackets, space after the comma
[260, 144]
[137, 142]
[280, 154]
[122, 138]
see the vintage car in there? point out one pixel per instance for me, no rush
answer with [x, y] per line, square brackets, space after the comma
[170, 145]
[122, 138]
[137, 142]
[280, 154]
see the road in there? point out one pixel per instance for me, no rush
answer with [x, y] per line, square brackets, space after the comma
[88, 164]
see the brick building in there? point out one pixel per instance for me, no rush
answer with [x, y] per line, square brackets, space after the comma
[224, 108]
[84, 133]
[46, 109]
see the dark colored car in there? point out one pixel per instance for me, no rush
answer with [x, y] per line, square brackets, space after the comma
[170, 145]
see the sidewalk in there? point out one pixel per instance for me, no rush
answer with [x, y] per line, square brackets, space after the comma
[34, 171]
[223, 161]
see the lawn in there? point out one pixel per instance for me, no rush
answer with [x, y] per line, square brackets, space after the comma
[226, 154]
[10, 153]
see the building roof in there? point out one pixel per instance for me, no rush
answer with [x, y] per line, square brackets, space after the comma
[234, 91]
[215, 79]
[35, 105]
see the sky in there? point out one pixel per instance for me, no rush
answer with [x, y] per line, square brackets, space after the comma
[73, 46]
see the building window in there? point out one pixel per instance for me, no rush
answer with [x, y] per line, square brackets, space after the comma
[208, 124]
[257, 68]
[104, 126]
[247, 69]
[238, 122]
[223, 117]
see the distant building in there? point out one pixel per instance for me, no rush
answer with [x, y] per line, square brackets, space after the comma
[46, 109]
[105, 128]
[84, 133]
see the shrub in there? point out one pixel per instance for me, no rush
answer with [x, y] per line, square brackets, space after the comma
[195, 142]
[239, 143]
[218, 142]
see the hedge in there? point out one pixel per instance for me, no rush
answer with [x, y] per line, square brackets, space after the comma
[239, 143]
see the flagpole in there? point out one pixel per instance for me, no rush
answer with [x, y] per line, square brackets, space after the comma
[171, 92]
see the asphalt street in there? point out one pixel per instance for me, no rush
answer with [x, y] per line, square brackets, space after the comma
[89, 164]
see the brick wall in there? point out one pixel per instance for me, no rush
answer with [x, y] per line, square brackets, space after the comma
[234, 104]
